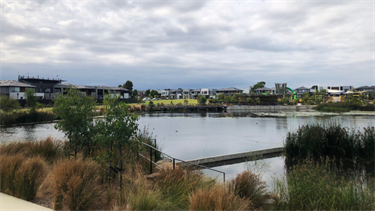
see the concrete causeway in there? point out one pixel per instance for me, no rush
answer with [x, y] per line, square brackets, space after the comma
[228, 159]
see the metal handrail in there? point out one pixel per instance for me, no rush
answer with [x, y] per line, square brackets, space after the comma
[204, 167]
[152, 161]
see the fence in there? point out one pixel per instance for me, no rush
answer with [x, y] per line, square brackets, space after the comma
[173, 160]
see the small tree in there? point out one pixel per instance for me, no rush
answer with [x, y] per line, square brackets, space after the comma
[147, 93]
[153, 93]
[77, 114]
[202, 100]
[116, 132]
[8, 104]
[258, 85]
[135, 92]
[31, 100]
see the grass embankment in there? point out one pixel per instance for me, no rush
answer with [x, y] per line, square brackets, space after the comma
[173, 102]
[26, 117]
[343, 107]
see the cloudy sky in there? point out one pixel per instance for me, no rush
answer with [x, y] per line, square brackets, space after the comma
[189, 43]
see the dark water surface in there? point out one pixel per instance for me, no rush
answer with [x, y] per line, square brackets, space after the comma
[196, 135]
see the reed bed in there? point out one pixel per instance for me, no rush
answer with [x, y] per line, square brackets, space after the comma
[312, 185]
[334, 141]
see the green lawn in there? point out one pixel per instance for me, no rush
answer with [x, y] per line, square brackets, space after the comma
[175, 102]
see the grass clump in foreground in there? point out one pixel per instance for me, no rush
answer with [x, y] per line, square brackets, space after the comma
[312, 185]
[21, 176]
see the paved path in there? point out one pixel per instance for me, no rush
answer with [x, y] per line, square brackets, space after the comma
[10, 203]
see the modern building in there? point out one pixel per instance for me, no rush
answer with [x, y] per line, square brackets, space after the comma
[186, 93]
[195, 93]
[47, 88]
[365, 88]
[229, 91]
[208, 93]
[335, 90]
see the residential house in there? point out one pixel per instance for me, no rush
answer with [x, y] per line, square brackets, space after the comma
[16, 89]
[300, 90]
[263, 90]
[195, 93]
[186, 93]
[229, 91]
[208, 93]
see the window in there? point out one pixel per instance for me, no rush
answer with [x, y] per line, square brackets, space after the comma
[48, 90]
[14, 89]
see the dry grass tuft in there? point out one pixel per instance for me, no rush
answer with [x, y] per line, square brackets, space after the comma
[217, 198]
[76, 185]
[20, 176]
[49, 149]
[248, 185]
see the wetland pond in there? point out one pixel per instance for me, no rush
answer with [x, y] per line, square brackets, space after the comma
[196, 135]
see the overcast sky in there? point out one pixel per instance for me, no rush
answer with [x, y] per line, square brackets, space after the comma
[189, 43]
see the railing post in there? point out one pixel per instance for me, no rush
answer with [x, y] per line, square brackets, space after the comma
[150, 160]
[174, 163]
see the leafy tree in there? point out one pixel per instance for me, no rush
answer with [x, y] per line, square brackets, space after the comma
[8, 104]
[153, 93]
[305, 97]
[128, 85]
[202, 100]
[116, 133]
[186, 102]
[258, 85]
[135, 92]
[151, 106]
[77, 114]
[147, 93]
[31, 100]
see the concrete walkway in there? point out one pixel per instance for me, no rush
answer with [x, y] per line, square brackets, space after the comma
[12, 203]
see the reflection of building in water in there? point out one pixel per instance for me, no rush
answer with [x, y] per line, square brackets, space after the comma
[281, 123]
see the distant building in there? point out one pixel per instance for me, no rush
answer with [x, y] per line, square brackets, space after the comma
[300, 90]
[229, 91]
[16, 89]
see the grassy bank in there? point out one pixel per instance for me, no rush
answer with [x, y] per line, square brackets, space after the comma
[25, 117]
[343, 107]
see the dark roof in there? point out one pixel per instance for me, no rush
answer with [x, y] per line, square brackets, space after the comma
[14, 83]
[302, 87]
[230, 89]
[67, 85]
[364, 87]
[264, 88]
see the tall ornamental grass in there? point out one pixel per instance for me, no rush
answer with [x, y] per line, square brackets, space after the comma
[76, 185]
[21, 176]
[49, 149]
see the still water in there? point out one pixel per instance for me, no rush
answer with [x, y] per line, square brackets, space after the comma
[196, 135]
